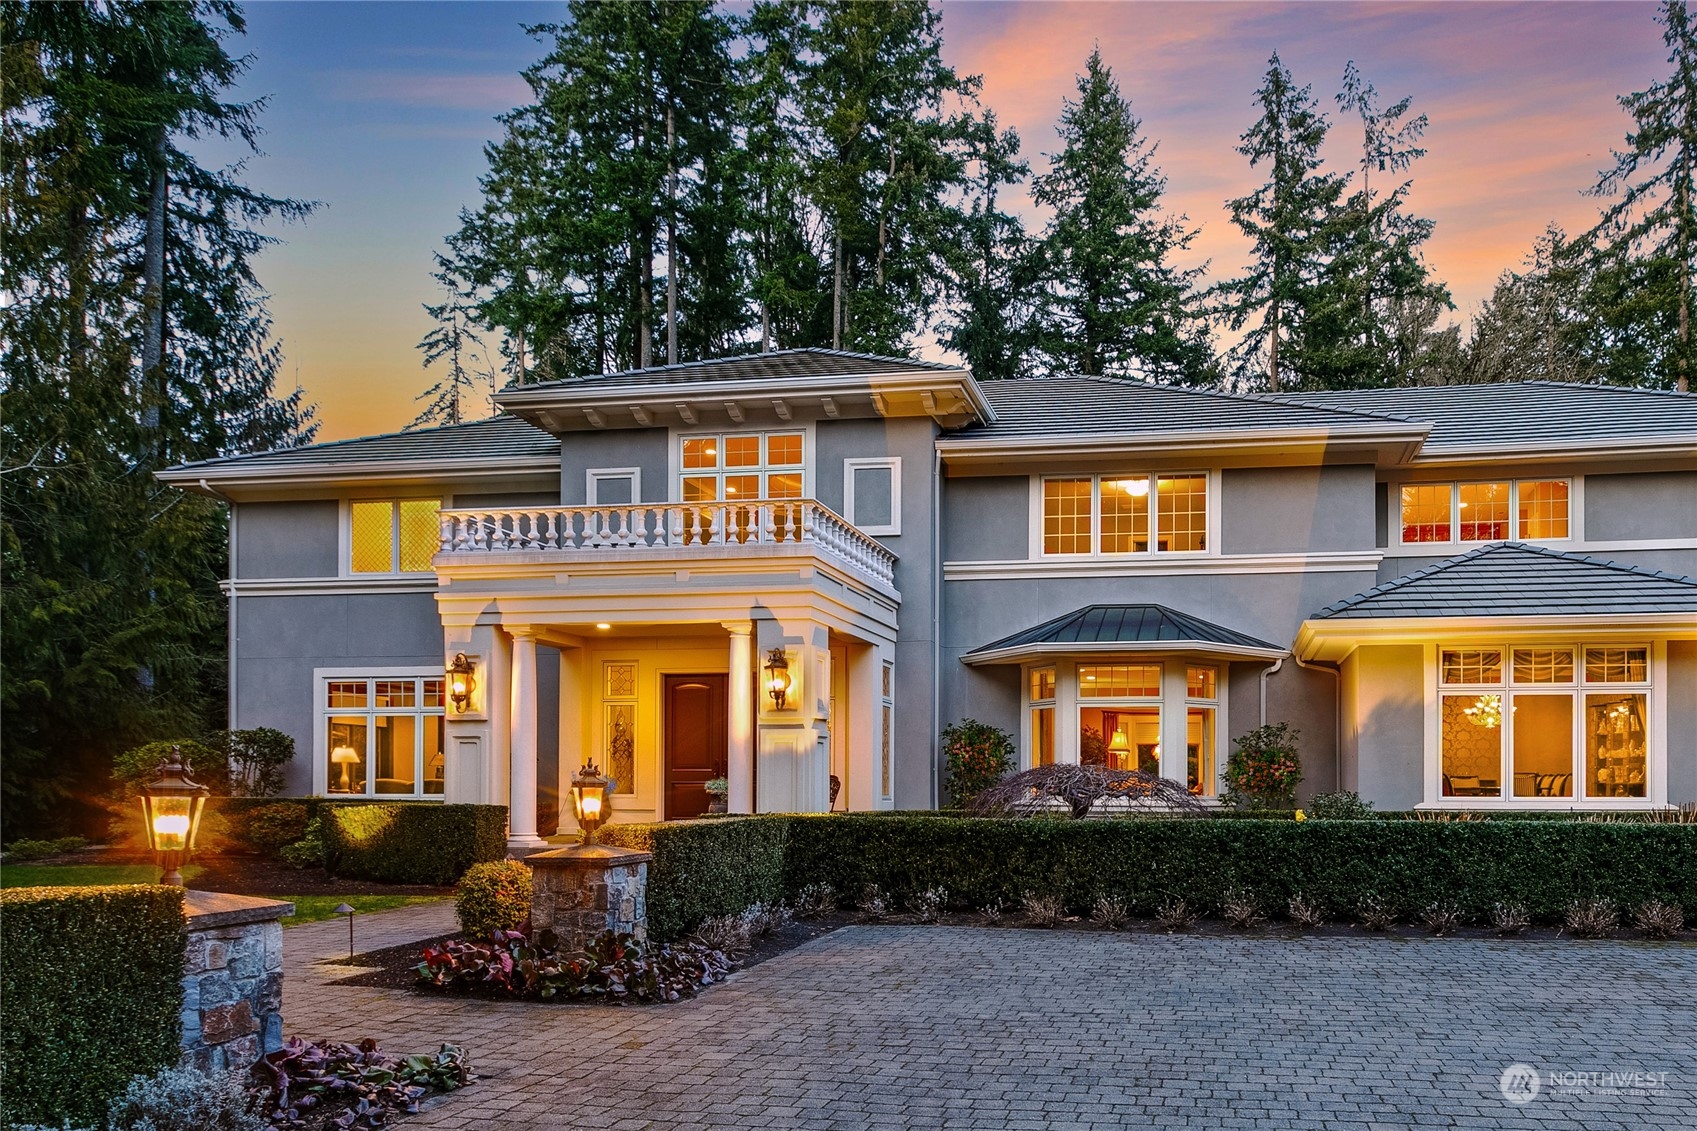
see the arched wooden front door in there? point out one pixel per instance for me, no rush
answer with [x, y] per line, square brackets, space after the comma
[695, 741]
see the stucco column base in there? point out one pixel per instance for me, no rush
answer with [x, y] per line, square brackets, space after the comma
[585, 890]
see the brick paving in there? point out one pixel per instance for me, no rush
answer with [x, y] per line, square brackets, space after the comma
[969, 1028]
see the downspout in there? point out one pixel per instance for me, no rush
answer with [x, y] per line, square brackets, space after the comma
[1337, 702]
[936, 615]
[231, 634]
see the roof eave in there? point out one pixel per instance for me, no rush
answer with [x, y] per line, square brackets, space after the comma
[1019, 652]
[207, 479]
[1333, 638]
[1518, 452]
[1389, 446]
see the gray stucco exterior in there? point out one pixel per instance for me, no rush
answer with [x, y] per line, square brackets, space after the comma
[1295, 527]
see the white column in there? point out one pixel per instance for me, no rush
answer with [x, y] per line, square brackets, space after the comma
[739, 725]
[521, 815]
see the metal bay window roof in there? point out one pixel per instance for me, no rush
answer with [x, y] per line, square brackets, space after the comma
[1123, 628]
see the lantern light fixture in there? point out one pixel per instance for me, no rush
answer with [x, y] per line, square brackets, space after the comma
[171, 806]
[461, 682]
[589, 800]
[778, 681]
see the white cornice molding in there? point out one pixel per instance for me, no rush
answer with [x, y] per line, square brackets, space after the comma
[1157, 565]
[354, 472]
[328, 586]
[1403, 439]
[1333, 638]
[1541, 451]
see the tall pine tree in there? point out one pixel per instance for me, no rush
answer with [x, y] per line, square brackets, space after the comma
[135, 334]
[1285, 305]
[1649, 233]
[1114, 303]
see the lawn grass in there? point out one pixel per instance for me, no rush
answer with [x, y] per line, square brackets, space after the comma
[83, 875]
[313, 908]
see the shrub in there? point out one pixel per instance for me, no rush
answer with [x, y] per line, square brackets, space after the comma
[612, 967]
[269, 828]
[1043, 910]
[872, 902]
[702, 869]
[975, 757]
[1240, 910]
[418, 842]
[1375, 914]
[21, 850]
[308, 851]
[1306, 912]
[1592, 918]
[92, 981]
[1176, 915]
[254, 760]
[1344, 805]
[1264, 771]
[493, 896]
[1509, 918]
[726, 933]
[1658, 920]
[335, 1084]
[1111, 912]
[186, 1099]
[927, 906]
[1442, 917]
[814, 900]
[1039, 791]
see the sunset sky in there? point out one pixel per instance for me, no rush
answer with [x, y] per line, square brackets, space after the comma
[381, 111]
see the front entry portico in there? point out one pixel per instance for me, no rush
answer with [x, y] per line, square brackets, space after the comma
[631, 617]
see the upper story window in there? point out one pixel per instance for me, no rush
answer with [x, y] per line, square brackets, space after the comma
[1524, 509]
[746, 465]
[1126, 514]
[392, 535]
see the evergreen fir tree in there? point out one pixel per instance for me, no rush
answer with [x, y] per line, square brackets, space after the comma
[1650, 231]
[453, 341]
[1114, 302]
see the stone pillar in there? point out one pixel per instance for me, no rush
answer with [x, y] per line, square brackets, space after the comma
[232, 979]
[521, 812]
[582, 891]
[739, 744]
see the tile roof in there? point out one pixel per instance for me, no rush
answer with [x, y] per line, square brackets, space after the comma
[1069, 405]
[500, 437]
[1525, 412]
[1125, 624]
[777, 364]
[1510, 579]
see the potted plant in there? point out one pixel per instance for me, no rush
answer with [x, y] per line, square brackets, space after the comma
[717, 790]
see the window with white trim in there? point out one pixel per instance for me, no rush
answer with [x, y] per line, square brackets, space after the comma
[1041, 692]
[393, 535]
[1119, 716]
[382, 736]
[1125, 514]
[872, 491]
[736, 466]
[1525, 510]
[1540, 722]
[886, 732]
[613, 486]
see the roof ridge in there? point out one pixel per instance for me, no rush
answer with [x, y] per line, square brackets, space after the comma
[727, 359]
[1601, 385]
[1622, 567]
[1194, 390]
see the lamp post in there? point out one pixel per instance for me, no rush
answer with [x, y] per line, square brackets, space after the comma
[171, 806]
[778, 681]
[344, 909]
[589, 800]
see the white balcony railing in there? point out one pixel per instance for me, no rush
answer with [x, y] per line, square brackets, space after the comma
[666, 528]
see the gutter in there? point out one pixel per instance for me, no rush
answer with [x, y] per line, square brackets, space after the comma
[1337, 702]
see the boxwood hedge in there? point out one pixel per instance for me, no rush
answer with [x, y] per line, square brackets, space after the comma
[92, 980]
[418, 842]
[714, 867]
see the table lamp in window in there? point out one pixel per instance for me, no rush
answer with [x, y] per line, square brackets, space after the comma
[1120, 747]
[346, 757]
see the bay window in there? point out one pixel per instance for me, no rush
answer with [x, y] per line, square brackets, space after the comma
[1544, 722]
[383, 737]
[1527, 510]
[1125, 514]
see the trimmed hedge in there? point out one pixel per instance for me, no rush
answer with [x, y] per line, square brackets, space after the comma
[92, 978]
[706, 868]
[416, 842]
[716, 867]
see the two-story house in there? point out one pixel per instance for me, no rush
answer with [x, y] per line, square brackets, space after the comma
[791, 569]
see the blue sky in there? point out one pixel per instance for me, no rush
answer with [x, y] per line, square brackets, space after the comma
[381, 111]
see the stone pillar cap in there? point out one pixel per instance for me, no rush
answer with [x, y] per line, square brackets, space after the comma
[220, 909]
[587, 855]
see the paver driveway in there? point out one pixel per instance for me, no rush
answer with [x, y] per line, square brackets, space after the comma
[954, 1027]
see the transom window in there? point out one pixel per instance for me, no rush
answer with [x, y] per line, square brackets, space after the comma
[1126, 514]
[1525, 509]
[383, 737]
[1542, 722]
[747, 465]
[393, 535]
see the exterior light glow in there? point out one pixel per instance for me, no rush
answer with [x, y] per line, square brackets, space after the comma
[603, 626]
[589, 800]
[778, 681]
[170, 811]
[460, 683]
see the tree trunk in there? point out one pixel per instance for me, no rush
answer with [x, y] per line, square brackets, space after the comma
[837, 294]
[884, 217]
[1683, 382]
[1273, 347]
[765, 328]
[644, 303]
[153, 303]
[671, 243]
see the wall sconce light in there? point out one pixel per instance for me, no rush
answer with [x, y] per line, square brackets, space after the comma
[778, 681]
[589, 800]
[170, 807]
[460, 682]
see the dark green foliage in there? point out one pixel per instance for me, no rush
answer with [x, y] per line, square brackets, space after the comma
[269, 828]
[1342, 805]
[1113, 302]
[975, 756]
[612, 968]
[341, 1084]
[1265, 769]
[20, 850]
[704, 869]
[135, 768]
[418, 842]
[493, 896]
[92, 981]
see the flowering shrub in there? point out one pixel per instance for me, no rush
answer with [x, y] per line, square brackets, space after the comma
[337, 1084]
[1264, 770]
[493, 897]
[976, 755]
[612, 967]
